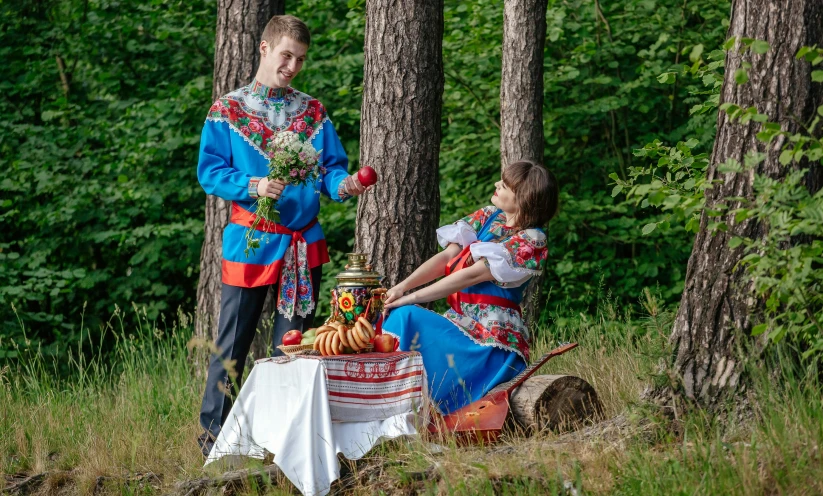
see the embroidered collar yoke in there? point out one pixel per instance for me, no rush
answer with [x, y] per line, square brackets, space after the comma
[235, 149]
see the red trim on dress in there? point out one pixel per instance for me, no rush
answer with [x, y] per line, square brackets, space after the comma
[482, 298]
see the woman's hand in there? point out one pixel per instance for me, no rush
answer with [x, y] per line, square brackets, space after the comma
[409, 299]
[393, 295]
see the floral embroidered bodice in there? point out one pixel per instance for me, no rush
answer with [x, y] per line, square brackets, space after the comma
[489, 313]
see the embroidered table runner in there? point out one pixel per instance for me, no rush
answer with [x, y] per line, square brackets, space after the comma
[373, 386]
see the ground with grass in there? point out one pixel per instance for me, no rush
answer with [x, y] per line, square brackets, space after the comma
[128, 426]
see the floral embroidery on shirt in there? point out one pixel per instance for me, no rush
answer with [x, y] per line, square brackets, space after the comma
[257, 118]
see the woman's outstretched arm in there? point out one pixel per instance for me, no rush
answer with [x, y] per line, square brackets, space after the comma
[453, 283]
[428, 271]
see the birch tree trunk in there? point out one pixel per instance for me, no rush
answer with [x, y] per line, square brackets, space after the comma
[717, 309]
[236, 56]
[400, 134]
[521, 101]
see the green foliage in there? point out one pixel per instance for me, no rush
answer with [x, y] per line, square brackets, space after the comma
[100, 199]
[103, 104]
[602, 98]
[783, 266]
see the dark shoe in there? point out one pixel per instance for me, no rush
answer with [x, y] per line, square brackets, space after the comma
[206, 443]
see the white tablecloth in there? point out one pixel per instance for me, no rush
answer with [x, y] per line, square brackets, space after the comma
[283, 408]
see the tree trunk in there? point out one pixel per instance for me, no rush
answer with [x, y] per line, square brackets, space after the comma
[717, 307]
[521, 84]
[400, 134]
[236, 56]
[521, 100]
[554, 402]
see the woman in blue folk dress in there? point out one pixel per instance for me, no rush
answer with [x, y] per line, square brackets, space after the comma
[488, 258]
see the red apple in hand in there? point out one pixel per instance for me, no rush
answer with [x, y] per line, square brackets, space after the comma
[366, 176]
[292, 338]
[384, 343]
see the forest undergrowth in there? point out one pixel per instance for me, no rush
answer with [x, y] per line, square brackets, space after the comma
[127, 425]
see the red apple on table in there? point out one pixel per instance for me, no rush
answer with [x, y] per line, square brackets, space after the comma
[367, 176]
[292, 337]
[384, 343]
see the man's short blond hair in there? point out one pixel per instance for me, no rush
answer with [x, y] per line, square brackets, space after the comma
[286, 25]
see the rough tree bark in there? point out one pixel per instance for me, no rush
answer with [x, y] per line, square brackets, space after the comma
[400, 134]
[521, 84]
[717, 307]
[239, 26]
[521, 99]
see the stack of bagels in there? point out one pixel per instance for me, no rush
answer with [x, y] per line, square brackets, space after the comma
[335, 338]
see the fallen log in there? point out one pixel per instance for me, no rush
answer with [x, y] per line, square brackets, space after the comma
[555, 402]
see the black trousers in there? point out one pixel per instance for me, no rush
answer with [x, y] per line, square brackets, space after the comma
[240, 310]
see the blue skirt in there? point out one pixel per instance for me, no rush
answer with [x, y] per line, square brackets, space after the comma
[459, 371]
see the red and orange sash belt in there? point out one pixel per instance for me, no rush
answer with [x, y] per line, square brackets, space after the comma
[243, 217]
[460, 262]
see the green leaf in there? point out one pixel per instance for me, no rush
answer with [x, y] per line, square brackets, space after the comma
[122, 178]
[766, 136]
[759, 329]
[697, 51]
[760, 46]
[648, 228]
[735, 242]
[667, 78]
[817, 76]
[729, 43]
[741, 76]
[616, 191]
[785, 157]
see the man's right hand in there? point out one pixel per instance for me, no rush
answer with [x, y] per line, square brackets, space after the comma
[271, 189]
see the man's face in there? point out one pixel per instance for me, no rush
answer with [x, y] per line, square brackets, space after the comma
[280, 63]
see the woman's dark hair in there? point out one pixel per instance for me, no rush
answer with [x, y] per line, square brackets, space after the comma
[536, 192]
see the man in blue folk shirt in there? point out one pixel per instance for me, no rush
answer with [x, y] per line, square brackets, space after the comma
[234, 155]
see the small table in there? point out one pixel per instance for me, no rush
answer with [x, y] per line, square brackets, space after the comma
[306, 409]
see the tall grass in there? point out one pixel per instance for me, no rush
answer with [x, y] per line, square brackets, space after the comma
[135, 409]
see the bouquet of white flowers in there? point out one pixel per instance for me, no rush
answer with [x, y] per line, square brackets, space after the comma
[293, 161]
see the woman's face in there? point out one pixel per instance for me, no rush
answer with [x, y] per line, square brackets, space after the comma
[504, 198]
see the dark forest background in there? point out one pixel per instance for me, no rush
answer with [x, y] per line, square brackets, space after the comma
[103, 103]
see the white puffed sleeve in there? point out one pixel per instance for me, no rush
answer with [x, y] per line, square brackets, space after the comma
[460, 232]
[497, 258]
[512, 261]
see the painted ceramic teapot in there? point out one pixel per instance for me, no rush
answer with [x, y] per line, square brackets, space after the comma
[358, 292]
